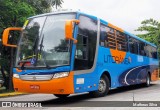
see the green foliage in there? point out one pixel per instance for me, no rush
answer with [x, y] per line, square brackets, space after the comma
[151, 30]
[13, 13]
[44, 6]
[56, 3]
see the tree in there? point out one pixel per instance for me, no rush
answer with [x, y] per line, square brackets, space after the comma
[13, 13]
[56, 3]
[151, 32]
[44, 6]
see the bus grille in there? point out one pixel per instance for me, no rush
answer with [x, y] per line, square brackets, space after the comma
[36, 77]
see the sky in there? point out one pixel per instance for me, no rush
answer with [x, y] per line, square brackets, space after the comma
[126, 14]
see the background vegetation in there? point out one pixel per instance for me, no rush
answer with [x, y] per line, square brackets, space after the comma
[151, 30]
[13, 13]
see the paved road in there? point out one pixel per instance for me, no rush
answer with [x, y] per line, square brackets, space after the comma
[132, 93]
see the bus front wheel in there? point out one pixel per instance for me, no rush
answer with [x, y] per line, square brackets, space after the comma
[61, 95]
[103, 87]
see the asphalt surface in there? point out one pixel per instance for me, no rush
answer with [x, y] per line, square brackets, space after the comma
[120, 98]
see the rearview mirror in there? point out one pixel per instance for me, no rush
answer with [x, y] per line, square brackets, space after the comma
[6, 35]
[69, 29]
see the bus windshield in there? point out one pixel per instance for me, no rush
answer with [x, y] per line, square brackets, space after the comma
[42, 42]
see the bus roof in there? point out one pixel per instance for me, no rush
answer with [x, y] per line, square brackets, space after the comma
[101, 20]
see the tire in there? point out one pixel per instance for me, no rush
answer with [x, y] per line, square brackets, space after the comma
[148, 81]
[61, 95]
[103, 87]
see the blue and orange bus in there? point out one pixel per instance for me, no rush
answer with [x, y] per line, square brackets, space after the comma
[63, 53]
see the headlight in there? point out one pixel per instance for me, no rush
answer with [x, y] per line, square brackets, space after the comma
[15, 75]
[60, 75]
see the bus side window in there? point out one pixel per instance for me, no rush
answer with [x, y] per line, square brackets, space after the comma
[103, 36]
[82, 47]
[150, 51]
[146, 49]
[121, 41]
[111, 38]
[154, 53]
[86, 45]
[133, 45]
[141, 49]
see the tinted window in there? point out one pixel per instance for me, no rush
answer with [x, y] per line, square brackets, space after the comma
[86, 46]
[154, 52]
[107, 37]
[121, 41]
[149, 50]
[103, 36]
[141, 49]
[133, 45]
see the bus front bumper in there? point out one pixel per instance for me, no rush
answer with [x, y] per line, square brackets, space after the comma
[54, 86]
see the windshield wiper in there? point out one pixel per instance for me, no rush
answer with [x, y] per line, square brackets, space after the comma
[43, 56]
[34, 49]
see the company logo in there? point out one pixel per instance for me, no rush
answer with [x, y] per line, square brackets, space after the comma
[118, 56]
[6, 104]
[34, 77]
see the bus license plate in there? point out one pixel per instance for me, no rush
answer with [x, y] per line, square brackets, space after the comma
[34, 86]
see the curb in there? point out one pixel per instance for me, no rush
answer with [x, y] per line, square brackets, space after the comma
[11, 94]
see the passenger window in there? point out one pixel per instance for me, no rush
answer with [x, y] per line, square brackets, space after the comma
[103, 36]
[107, 37]
[154, 53]
[141, 49]
[121, 41]
[111, 38]
[133, 45]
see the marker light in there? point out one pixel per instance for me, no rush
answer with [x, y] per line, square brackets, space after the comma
[15, 75]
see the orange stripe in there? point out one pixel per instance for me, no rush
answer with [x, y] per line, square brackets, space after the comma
[115, 27]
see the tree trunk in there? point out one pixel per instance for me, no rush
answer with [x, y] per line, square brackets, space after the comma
[11, 72]
[5, 78]
[12, 57]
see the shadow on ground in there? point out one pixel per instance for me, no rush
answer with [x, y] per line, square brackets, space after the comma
[81, 99]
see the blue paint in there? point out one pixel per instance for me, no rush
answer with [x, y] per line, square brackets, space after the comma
[43, 72]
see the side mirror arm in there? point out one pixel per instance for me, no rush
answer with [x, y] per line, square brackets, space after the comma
[69, 29]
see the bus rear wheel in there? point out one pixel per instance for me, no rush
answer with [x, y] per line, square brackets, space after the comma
[61, 95]
[103, 87]
[148, 81]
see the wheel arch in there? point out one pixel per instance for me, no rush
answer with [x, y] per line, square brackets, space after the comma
[106, 73]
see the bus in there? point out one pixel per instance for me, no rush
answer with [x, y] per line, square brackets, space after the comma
[71, 52]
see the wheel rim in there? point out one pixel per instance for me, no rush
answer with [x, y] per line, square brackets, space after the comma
[148, 81]
[102, 86]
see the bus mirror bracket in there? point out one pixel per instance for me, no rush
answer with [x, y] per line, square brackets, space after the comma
[6, 35]
[69, 29]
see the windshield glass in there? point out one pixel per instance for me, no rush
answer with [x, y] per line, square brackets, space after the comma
[43, 42]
